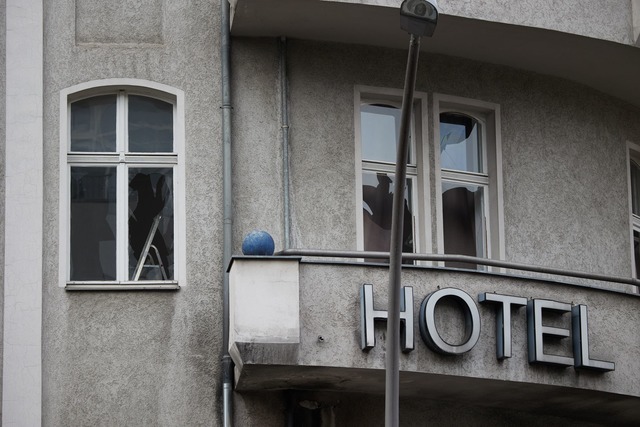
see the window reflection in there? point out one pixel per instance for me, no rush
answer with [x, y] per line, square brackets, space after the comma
[150, 125]
[635, 188]
[151, 224]
[462, 214]
[460, 144]
[636, 251]
[93, 124]
[380, 128]
[377, 203]
[635, 209]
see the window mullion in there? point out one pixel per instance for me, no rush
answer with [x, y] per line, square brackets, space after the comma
[478, 179]
[121, 123]
[68, 194]
[386, 168]
[90, 158]
[154, 159]
[122, 228]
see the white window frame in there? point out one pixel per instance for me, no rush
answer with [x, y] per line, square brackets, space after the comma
[174, 160]
[488, 114]
[633, 153]
[420, 169]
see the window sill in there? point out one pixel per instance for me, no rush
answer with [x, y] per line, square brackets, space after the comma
[123, 286]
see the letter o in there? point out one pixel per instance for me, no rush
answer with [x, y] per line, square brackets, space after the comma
[429, 332]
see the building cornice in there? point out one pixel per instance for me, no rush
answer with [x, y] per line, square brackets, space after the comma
[605, 65]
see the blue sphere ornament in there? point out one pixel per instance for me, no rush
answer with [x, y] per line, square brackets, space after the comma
[258, 242]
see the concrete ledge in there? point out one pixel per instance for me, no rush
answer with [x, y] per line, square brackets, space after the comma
[587, 405]
[252, 354]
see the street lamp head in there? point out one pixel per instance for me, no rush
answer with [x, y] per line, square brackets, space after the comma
[419, 17]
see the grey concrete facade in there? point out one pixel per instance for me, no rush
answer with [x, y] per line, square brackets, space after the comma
[162, 348]
[322, 78]
[151, 357]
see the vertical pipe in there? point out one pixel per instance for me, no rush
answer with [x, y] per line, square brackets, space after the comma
[225, 59]
[284, 115]
[392, 391]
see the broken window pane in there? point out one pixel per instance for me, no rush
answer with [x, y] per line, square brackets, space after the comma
[151, 234]
[377, 204]
[463, 221]
[460, 144]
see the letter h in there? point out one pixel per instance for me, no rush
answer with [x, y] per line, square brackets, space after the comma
[368, 315]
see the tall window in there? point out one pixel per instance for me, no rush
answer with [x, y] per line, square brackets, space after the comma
[469, 179]
[464, 186]
[634, 174]
[121, 162]
[378, 127]
[467, 182]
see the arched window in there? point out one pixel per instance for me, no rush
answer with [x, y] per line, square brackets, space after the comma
[121, 172]
[469, 178]
[465, 183]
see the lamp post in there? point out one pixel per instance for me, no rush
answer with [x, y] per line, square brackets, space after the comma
[418, 18]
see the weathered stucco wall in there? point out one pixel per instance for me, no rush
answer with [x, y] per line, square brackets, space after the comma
[137, 358]
[330, 363]
[610, 20]
[257, 140]
[152, 357]
[565, 205]
[563, 153]
[330, 307]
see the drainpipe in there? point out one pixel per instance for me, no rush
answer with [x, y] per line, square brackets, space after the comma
[284, 114]
[225, 59]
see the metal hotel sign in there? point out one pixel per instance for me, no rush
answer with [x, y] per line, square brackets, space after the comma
[537, 331]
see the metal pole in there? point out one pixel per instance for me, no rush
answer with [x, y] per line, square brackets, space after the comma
[461, 258]
[392, 390]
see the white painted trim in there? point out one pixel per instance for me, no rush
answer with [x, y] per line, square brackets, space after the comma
[180, 271]
[357, 167]
[24, 213]
[420, 149]
[489, 114]
[437, 175]
[137, 87]
[97, 87]
[499, 183]
[425, 243]
[122, 190]
[124, 286]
